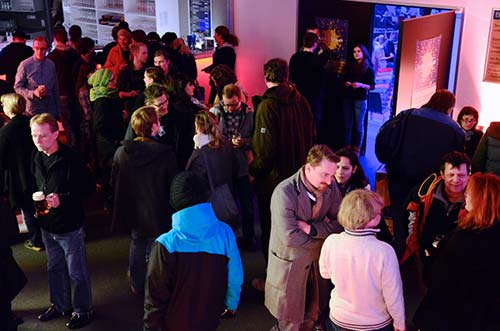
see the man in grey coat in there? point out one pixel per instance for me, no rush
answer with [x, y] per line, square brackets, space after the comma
[303, 213]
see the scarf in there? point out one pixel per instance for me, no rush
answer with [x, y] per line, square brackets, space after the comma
[317, 193]
[468, 134]
[201, 140]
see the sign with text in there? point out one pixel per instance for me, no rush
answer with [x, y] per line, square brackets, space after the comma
[492, 66]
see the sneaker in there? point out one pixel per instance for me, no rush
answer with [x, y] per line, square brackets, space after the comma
[29, 245]
[79, 320]
[259, 284]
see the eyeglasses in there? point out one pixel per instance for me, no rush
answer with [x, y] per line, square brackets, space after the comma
[161, 103]
[469, 121]
[228, 105]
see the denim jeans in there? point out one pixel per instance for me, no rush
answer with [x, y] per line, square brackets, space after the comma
[67, 265]
[330, 326]
[245, 197]
[28, 212]
[354, 116]
[140, 248]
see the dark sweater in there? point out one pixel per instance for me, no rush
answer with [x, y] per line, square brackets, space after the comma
[65, 174]
[464, 290]
[10, 57]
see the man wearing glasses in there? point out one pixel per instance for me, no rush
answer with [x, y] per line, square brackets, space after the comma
[156, 96]
[236, 124]
[36, 81]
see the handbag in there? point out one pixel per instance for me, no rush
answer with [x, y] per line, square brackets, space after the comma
[222, 198]
[199, 91]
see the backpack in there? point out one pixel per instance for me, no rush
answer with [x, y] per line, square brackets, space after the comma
[390, 137]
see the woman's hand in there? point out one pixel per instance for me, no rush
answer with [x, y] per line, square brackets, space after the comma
[348, 84]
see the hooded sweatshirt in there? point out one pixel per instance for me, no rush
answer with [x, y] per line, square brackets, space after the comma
[284, 133]
[195, 272]
[487, 156]
[142, 173]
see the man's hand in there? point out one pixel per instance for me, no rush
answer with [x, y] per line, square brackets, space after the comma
[40, 91]
[306, 228]
[53, 200]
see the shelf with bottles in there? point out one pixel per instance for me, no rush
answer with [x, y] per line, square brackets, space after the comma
[145, 8]
[83, 16]
[83, 4]
[112, 6]
[142, 22]
[104, 33]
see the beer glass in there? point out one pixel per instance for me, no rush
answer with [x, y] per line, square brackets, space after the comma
[41, 207]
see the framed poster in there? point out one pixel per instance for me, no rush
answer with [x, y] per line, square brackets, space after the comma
[492, 64]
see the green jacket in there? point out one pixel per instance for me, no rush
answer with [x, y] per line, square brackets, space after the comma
[284, 133]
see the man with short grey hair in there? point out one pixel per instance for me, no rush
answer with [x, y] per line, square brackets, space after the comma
[36, 81]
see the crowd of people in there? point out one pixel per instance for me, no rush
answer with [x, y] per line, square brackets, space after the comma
[180, 177]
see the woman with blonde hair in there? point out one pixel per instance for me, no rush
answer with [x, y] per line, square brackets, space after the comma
[368, 293]
[464, 290]
[16, 147]
[213, 158]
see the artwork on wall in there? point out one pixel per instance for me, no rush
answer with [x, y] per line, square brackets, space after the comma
[426, 70]
[334, 35]
[492, 65]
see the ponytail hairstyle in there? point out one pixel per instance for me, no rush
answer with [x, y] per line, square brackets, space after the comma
[207, 123]
[224, 33]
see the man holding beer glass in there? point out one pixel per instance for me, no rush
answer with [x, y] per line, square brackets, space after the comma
[61, 181]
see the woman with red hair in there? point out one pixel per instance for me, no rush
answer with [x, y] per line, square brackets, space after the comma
[464, 291]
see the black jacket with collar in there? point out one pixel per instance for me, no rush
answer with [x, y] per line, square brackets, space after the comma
[68, 177]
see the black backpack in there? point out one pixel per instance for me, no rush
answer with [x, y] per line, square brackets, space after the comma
[390, 137]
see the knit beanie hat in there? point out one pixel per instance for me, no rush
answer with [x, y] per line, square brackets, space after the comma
[187, 190]
[99, 82]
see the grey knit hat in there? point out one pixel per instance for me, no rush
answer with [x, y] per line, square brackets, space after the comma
[187, 190]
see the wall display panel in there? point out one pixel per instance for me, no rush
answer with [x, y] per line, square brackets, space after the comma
[492, 65]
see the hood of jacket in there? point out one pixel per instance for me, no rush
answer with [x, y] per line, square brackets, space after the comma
[142, 153]
[283, 93]
[195, 223]
[494, 130]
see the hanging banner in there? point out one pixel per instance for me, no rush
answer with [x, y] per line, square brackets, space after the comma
[492, 66]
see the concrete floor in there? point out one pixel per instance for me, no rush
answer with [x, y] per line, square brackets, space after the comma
[116, 308]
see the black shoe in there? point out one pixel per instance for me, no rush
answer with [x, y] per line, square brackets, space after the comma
[79, 320]
[52, 313]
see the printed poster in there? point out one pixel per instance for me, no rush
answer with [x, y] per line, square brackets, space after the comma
[426, 70]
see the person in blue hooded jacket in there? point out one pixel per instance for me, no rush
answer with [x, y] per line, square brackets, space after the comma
[195, 271]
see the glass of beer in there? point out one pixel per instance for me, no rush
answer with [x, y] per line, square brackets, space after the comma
[41, 207]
